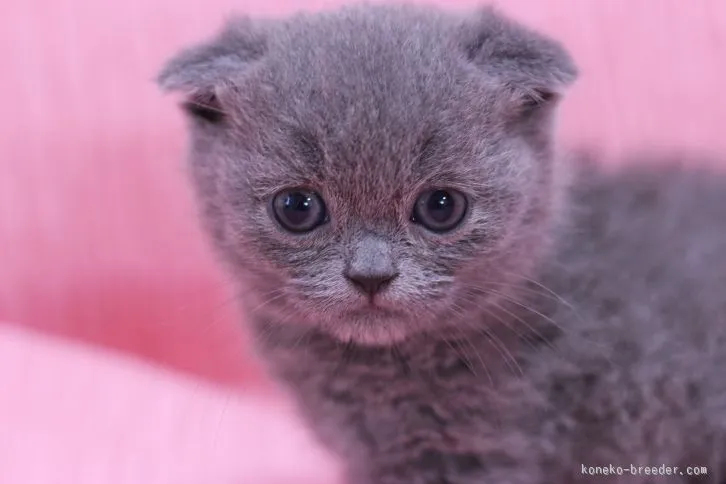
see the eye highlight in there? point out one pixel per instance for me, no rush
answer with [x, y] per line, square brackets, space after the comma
[298, 210]
[440, 210]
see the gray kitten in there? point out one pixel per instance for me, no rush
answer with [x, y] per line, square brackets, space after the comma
[448, 301]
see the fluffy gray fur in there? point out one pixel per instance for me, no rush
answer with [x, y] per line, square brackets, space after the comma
[576, 317]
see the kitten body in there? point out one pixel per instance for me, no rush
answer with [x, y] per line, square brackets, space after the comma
[612, 353]
[573, 318]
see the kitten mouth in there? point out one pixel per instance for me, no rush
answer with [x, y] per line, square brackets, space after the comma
[374, 310]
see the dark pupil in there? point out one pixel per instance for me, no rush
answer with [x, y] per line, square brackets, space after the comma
[440, 206]
[298, 208]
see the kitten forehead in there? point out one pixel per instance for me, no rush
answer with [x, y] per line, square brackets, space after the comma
[376, 91]
[369, 86]
[355, 62]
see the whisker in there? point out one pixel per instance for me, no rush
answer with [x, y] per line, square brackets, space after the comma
[262, 337]
[520, 288]
[545, 318]
[549, 291]
[517, 318]
[223, 286]
[574, 311]
[466, 340]
[230, 300]
[462, 355]
[269, 328]
[492, 385]
[274, 295]
[525, 307]
[508, 324]
[212, 323]
[498, 345]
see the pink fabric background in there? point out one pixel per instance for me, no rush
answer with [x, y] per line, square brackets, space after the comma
[72, 414]
[98, 237]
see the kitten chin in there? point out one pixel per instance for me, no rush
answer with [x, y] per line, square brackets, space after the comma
[386, 331]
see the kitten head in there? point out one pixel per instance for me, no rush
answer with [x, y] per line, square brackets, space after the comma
[374, 171]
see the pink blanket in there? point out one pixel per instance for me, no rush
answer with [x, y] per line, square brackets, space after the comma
[78, 415]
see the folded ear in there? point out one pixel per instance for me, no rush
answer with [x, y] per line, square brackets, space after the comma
[202, 70]
[534, 68]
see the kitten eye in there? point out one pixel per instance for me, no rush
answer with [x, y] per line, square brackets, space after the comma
[440, 210]
[299, 210]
